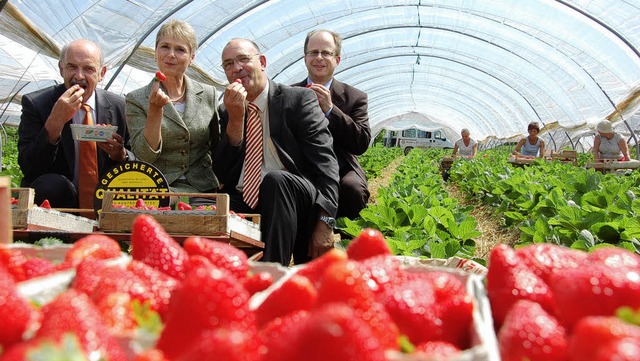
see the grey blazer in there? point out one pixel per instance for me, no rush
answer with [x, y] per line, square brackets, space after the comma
[187, 140]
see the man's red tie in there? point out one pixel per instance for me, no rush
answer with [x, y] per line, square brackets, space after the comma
[87, 166]
[253, 158]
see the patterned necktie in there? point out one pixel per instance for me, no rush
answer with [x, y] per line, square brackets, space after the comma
[87, 166]
[253, 158]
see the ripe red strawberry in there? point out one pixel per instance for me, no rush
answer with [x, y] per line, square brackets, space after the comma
[614, 257]
[334, 332]
[73, 312]
[224, 344]
[279, 334]
[543, 258]
[208, 298]
[594, 290]
[599, 338]
[182, 206]
[13, 260]
[36, 267]
[121, 280]
[222, 255]
[344, 282]
[370, 242]
[153, 246]
[160, 285]
[160, 76]
[141, 204]
[93, 246]
[257, 282]
[295, 293]
[530, 333]
[437, 350]
[314, 269]
[17, 313]
[423, 316]
[117, 312]
[509, 280]
[381, 270]
[88, 274]
[45, 204]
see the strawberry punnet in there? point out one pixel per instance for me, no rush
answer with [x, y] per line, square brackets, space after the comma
[160, 76]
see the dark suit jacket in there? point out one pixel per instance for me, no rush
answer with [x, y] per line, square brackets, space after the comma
[36, 156]
[349, 125]
[300, 134]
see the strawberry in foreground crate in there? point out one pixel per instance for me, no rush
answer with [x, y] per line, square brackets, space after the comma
[558, 304]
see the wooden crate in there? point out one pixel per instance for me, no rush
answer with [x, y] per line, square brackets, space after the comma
[566, 156]
[6, 232]
[611, 166]
[200, 223]
[26, 215]
[446, 162]
[20, 211]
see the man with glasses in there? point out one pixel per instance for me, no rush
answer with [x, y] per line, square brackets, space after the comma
[280, 131]
[346, 109]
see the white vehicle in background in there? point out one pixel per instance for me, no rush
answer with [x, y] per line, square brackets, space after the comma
[415, 138]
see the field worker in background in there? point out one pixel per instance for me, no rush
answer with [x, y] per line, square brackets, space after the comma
[531, 145]
[465, 146]
[346, 109]
[59, 168]
[276, 158]
[608, 144]
[174, 122]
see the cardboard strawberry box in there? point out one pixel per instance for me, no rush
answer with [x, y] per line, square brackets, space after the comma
[484, 345]
[45, 288]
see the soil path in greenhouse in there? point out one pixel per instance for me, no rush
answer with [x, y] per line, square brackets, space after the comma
[488, 223]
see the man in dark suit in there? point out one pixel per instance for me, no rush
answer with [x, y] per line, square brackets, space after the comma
[346, 109]
[298, 194]
[47, 152]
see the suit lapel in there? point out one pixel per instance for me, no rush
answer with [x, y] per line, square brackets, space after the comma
[193, 102]
[275, 111]
[337, 94]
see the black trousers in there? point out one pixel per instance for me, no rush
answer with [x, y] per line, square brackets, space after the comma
[288, 216]
[353, 196]
[58, 189]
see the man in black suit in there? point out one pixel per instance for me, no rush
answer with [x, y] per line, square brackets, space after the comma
[346, 109]
[298, 195]
[47, 152]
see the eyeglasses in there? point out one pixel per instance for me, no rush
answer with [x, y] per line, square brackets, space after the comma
[240, 59]
[314, 54]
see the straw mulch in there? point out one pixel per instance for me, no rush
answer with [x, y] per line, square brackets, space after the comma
[489, 224]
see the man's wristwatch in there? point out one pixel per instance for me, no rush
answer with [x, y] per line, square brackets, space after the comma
[330, 221]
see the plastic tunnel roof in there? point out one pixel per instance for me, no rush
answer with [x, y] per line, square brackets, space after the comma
[491, 66]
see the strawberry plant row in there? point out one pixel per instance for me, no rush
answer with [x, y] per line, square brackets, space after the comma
[376, 158]
[556, 203]
[417, 215]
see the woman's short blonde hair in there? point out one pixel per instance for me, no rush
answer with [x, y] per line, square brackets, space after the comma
[180, 30]
[465, 131]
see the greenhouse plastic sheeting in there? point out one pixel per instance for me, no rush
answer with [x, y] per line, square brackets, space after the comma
[491, 66]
